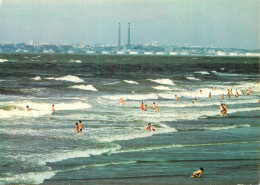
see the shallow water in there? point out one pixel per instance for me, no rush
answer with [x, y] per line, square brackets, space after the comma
[40, 146]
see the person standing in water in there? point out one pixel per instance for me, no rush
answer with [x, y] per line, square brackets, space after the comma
[27, 108]
[248, 92]
[194, 101]
[236, 93]
[222, 97]
[210, 95]
[176, 97]
[153, 106]
[142, 106]
[157, 109]
[223, 109]
[228, 95]
[145, 108]
[121, 101]
[77, 127]
[80, 126]
[52, 107]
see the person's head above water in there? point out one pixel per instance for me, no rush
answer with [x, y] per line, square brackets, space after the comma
[79, 121]
[76, 123]
[27, 106]
[201, 169]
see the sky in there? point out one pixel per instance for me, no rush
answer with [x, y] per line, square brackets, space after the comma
[211, 23]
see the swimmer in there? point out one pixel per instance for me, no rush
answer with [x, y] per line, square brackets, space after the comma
[222, 97]
[198, 172]
[236, 93]
[153, 106]
[248, 92]
[52, 107]
[223, 109]
[228, 95]
[176, 97]
[194, 101]
[157, 109]
[242, 91]
[210, 95]
[77, 127]
[145, 108]
[142, 106]
[121, 101]
[201, 92]
[214, 88]
[27, 108]
[133, 92]
[80, 126]
[149, 127]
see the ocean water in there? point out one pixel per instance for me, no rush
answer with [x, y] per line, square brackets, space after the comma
[41, 146]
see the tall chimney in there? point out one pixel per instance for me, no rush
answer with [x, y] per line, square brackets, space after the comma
[128, 43]
[119, 36]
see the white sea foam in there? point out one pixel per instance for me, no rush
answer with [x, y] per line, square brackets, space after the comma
[84, 87]
[163, 81]
[130, 82]
[150, 148]
[69, 78]
[55, 157]
[27, 178]
[138, 134]
[40, 109]
[163, 88]
[132, 97]
[76, 61]
[192, 78]
[95, 165]
[111, 83]
[37, 78]
[225, 127]
[226, 74]
[3, 60]
[202, 72]
[222, 69]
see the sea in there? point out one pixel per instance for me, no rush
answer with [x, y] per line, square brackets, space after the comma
[42, 147]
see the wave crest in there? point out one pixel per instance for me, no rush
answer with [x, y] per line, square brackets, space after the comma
[69, 78]
[84, 87]
[164, 81]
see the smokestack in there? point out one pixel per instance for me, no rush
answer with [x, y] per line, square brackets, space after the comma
[119, 36]
[128, 43]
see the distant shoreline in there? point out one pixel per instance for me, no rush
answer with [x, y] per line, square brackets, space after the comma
[115, 58]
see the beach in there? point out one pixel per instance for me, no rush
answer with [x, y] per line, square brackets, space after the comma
[41, 146]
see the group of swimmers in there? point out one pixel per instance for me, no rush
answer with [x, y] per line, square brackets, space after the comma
[145, 107]
[27, 109]
[79, 127]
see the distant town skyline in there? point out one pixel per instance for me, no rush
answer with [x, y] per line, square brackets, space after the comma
[209, 23]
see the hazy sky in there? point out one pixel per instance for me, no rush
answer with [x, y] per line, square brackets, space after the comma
[217, 23]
